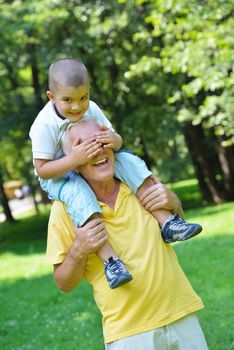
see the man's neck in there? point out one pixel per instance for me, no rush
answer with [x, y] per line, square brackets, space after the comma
[107, 192]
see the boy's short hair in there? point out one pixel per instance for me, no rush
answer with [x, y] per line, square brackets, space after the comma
[67, 71]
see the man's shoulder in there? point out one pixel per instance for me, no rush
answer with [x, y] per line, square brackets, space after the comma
[59, 215]
[58, 206]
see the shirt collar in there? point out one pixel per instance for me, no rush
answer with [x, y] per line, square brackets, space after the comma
[62, 123]
[107, 212]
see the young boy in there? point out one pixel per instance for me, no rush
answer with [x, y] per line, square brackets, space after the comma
[69, 103]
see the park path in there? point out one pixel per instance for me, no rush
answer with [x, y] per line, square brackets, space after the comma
[18, 206]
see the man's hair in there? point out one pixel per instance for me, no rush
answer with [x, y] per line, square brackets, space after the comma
[67, 71]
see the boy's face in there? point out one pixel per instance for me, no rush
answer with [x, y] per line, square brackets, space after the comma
[71, 102]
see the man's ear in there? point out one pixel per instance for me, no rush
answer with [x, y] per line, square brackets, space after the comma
[50, 96]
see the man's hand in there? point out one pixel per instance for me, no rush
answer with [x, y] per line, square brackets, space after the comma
[158, 196]
[109, 138]
[82, 152]
[89, 238]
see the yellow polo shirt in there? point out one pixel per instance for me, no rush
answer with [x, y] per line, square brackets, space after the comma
[159, 292]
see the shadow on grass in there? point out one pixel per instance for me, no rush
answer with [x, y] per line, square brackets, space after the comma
[22, 237]
[36, 315]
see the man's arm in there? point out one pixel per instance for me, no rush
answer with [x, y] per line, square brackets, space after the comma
[154, 195]
[88, 240]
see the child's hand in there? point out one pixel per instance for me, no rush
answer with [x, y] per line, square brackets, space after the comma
[108, 138]
[82, 152]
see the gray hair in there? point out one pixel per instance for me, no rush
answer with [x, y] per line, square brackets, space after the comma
[69, 138]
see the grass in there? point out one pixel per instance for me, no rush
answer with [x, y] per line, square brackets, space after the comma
[188, 193]
[36, 315]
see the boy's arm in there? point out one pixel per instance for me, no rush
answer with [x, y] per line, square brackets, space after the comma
[80, 154]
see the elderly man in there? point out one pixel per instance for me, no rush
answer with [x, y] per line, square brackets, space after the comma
[156, 310]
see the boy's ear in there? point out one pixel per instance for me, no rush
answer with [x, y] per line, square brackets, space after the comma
[50, 95]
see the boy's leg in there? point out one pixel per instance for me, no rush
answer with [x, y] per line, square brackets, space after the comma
[76, 194]
[133, 171]
[82, 205]
[173, 228]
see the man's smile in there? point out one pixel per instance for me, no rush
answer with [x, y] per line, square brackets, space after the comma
[100, 162]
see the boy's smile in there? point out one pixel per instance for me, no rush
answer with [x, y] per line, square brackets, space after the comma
[71, 102]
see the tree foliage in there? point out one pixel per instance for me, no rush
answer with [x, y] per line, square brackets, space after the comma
[161, 70]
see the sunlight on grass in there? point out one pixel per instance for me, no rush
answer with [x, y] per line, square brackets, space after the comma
[216, 220]
[25, 266]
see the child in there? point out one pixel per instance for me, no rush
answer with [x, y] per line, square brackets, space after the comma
[69, 102]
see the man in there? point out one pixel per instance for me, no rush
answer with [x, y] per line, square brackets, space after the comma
[156, 310]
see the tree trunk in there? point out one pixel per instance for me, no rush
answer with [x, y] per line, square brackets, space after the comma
[33, 191]
[31, 48]
[203, 162]
[226, 159]
[4, 203]
[145, 156]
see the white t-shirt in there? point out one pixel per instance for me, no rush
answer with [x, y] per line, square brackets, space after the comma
[48, 130]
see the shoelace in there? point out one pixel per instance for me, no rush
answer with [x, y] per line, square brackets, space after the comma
[115, 266]
[178, 222]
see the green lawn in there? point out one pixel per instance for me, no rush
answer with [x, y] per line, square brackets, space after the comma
[35, 315]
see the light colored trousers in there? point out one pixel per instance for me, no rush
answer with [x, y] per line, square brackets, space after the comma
[184, 334]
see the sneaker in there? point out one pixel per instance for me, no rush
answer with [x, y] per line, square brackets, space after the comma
[176, 229]
[116, 273]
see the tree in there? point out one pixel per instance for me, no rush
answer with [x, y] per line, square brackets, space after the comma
[162, 71]
[192, 42]
[4, 201]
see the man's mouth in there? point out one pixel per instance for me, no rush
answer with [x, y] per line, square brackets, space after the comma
[100, 162]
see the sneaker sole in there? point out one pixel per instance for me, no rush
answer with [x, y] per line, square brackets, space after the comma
[121, 282]
[195, 233]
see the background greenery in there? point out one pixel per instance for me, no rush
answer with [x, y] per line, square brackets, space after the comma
[162, 71]
[36, 315]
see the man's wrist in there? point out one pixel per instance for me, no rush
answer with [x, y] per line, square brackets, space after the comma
[77, 254]
[178, 208]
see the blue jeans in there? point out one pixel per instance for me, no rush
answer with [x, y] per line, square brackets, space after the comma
[81, 201]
